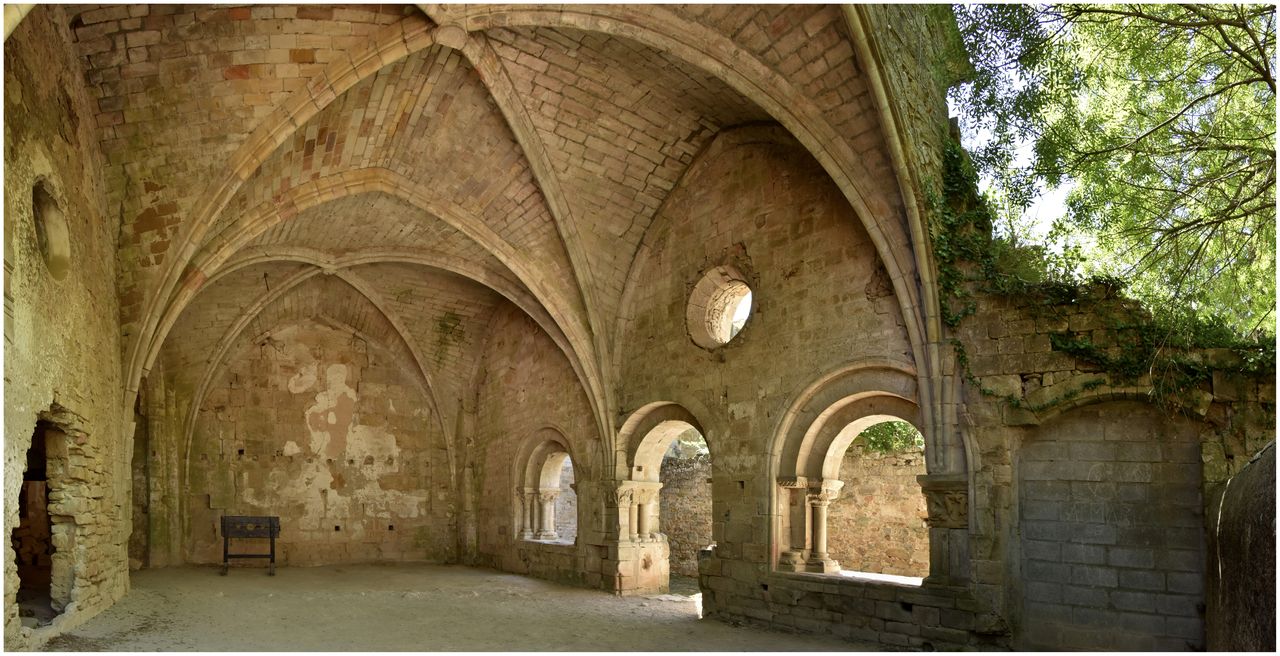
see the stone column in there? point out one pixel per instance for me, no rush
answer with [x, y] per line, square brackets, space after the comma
[547, 529]
[633, 524]
[819, 500]
[527, 512]
[646, 499]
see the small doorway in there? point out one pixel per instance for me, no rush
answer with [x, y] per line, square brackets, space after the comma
[32, 539]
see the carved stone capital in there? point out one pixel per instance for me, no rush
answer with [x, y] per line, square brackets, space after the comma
[621, 497]
[793, 482]
[548, 496]
[947, 499]
[822, 493]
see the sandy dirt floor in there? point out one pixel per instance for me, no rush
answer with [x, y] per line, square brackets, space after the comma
[404, 608]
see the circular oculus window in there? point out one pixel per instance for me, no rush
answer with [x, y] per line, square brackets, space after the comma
[718, 307]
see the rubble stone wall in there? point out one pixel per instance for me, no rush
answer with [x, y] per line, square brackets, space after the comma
[877, 522]
[685, 510]
[62, 341]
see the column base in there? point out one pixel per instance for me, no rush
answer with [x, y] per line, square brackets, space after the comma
[822, 566]
[791, 561]
[547, 535]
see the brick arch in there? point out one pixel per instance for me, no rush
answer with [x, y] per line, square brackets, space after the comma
[1083, 390]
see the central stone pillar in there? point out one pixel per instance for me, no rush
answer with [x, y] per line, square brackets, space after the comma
[528, 498]
[547, 525]
[819, 500]
[947, 499]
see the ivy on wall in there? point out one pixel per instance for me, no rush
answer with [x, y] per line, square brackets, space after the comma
[1176, 354]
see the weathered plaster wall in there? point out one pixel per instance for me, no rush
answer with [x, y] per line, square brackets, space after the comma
[327, 431]
[877, 522]
[685, 510]
[61, 341]
[527, 385]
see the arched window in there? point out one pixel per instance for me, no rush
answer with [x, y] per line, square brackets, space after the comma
[546, 507]
[665, 505]
[876, 526]
[852, 480]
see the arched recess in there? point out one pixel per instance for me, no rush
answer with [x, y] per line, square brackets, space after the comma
[249, 328]
[1109, 501]
[538, 465]
[806, 455]
[350, 421]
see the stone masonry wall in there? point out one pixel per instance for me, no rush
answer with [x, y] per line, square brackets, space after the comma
[877, 522]
[329, 433]
[62, 344]
[1112, 531]
[526, 389]
[685, 510]
[764, 206]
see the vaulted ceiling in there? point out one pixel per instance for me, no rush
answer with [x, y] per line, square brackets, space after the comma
[387, 166]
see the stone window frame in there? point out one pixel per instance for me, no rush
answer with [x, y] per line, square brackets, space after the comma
[708, 312]
[808, 449]
[537, 476]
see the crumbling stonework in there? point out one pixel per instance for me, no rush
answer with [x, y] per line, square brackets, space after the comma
[390, 272]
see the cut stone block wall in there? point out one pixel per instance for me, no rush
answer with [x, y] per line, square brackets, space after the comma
[325, 430]
[877, 522]
[685, 510]
[528, 390]
[1112, 526]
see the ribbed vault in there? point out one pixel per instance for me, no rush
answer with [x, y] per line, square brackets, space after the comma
[524, 149]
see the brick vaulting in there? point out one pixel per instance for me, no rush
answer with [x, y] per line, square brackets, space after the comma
[454, 284]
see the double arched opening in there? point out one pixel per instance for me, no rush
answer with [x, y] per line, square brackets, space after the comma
[665, 503]
[852, 481]
[546, 500]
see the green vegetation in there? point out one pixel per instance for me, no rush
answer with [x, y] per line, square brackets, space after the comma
[892, 437]
[1160, 120]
